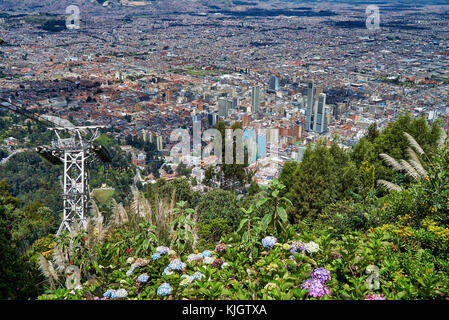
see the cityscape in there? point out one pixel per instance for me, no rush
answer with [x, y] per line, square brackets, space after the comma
[156, 81]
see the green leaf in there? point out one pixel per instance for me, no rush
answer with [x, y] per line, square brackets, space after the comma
[242, 223]
[261, 202]
[266, 220]
[282, 214]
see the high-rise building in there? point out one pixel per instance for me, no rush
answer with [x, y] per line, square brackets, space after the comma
[160, 145]
[274, 83]
[222, 108]
[310, 105]
[255, 99]
[320, 118]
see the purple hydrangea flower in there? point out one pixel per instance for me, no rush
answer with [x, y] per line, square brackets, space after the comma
[162, 250]
[375, 296]
[321, 274]
[297, 246]
[316, 288]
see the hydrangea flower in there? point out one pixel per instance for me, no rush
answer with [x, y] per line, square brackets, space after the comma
[186, 279]
[171, 252]
[143, 278]
[221, 247]
[197, 276]
[130, 271]
[286, 246]
[316, 288]
[193, 257]
[162, 250]
[207, 253]
[130, 260]
[208, 260]
[269, 242]
[312, 247]
[167, 272]
[155, 256]
[110, 294]
[164, 289]
[140, 262]
[297, 246]
[176, 264]
[375, 296]
[121, 293]
[321, 274]
[217, 262]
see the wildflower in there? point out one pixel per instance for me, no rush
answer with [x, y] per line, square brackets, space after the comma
[270, 286]
[224, 265]
[162, 250]
[321, 274]
[269, 242]
[143, 278]
[128, 250]
[186, 280]
[221, 247]
[206, 253]
[375, 296]
[337, 256]
[121, 293]
[217, 262]
[198, 276]
[164, 289]
[208, 260]
[130, 260]
[311, 247]
[155, 256]
[316, 288]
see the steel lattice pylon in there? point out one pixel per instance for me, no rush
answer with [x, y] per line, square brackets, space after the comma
[75, 153]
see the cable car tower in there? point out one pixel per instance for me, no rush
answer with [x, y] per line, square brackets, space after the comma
[74, 153]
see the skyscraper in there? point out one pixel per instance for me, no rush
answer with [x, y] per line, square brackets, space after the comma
[274, 83]
[320, 117]
[310, 105]
[222, 108]
[255, 99]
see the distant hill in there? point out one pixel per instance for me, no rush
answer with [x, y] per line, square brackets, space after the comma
[98, 6]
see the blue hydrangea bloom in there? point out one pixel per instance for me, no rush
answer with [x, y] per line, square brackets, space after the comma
[207, 253]
[130, 271]
[167, 272]
[164, 289]
[108, 293]
[175, 264]
[197, 275]
[155, 256]
[269, 242]
[143, 278]
[162, 250]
